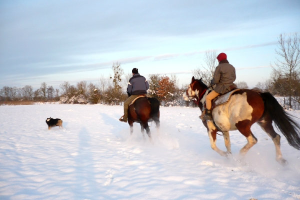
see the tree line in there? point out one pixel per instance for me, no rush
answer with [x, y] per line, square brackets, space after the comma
[284, 81]
[110, 90]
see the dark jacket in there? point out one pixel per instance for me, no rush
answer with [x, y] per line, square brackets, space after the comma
[137, 85]
[224, 77]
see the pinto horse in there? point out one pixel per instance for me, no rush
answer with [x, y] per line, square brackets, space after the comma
[244, 108]
[142, 111]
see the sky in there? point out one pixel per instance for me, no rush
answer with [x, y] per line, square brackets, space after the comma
[57, 41]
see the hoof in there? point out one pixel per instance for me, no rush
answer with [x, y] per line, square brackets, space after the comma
[224, 154]
[228, 154]
[282, 161]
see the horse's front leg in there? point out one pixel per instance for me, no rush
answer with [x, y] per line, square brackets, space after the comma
[227, 142]
[212, 133]
[142, 128]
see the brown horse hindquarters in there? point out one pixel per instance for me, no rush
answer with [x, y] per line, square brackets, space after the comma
[142, 108]
[140, 111]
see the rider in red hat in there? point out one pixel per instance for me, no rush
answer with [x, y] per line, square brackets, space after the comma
[224, 77]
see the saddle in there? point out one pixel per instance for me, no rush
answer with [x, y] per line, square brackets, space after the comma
[219, 101]
[223, 98]
[140, 96]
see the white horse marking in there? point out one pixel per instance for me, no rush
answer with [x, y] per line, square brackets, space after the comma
[190, 94]
[211, 128]
[239, 110]
[185, 97]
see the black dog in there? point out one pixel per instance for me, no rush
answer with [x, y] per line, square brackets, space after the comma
[53, 122]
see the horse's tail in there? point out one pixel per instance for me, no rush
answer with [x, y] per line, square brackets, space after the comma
[289, 128]
[154, 106]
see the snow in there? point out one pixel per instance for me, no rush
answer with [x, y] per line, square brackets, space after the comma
[94, 157]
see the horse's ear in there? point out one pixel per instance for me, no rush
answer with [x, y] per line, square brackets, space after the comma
[193, 79]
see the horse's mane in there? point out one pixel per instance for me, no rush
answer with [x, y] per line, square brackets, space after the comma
[201, 83]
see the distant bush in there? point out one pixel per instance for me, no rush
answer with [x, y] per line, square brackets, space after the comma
[15, 103]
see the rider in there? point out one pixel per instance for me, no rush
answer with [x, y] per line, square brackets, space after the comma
[224, 77]
[137, 86]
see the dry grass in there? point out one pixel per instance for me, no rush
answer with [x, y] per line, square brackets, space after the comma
[16, 103]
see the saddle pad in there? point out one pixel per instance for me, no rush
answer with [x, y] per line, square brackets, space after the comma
[136, 99]
[225, 97]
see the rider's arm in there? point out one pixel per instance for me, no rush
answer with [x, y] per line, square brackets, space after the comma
[147, 84]
[129, 88]
[217, 75]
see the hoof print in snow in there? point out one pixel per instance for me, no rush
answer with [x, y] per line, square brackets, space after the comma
[109, 177]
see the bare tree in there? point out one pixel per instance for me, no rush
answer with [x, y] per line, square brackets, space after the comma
[50, 93]
[287, 64]
[206, 72]
[57, 94]
[27, 92]
[104, 83]
[118, 72]
[2, 98]
[72, 91]
[242, 85]
[113, 94]
[65, 87]
[82, 88]
[6, 91]
[37, 95]
[43, 89]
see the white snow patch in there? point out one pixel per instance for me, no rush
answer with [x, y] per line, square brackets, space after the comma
[94, 157]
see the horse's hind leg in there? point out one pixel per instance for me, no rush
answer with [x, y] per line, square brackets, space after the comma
[131, 130]
[266, 125]
[244, 128]
[131, 127]
[142, 130]
[146, 127]
[227, 142]
[157, 122]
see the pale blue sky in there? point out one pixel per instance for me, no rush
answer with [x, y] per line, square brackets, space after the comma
[57, 41]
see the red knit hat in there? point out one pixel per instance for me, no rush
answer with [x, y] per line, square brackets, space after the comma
[222, 56]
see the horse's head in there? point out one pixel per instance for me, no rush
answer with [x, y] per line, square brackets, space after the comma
[196, 90]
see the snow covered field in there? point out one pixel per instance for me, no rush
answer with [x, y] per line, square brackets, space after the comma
[94, 157]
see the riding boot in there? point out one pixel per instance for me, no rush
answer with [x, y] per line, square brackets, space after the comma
[123, 119]
[208, 115]
[202, 114]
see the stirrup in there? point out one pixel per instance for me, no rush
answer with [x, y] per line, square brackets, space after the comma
[206, 115]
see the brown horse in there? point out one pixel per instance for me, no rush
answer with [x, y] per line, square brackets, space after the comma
[244, 108]
[142, 111]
